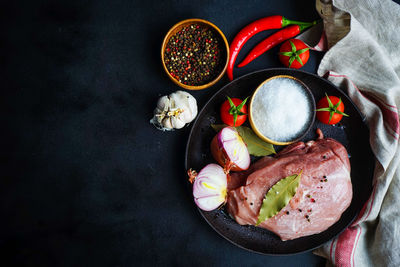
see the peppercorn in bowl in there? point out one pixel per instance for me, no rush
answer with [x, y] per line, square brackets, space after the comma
[195, 54]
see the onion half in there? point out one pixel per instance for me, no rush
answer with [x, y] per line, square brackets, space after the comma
[209, 187]
[230, 151]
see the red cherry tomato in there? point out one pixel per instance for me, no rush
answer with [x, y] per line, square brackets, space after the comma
[233, 111]
[330, 110]
[294, 53]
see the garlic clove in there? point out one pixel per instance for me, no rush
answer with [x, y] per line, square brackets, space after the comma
[185, 116]
[167, 124]
[163, 104]
[192, 104]
[177, 123]
[187, 103]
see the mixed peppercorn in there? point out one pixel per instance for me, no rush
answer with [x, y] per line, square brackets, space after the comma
[193, 55]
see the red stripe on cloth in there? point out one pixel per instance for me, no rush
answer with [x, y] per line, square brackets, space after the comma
[347, 242]
[322, 44]
[361, 92]
[362, 213]
[391, 106]
[344, 76]
[345, 246]
[389, 116]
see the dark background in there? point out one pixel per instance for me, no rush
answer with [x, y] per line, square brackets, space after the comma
[86, 180]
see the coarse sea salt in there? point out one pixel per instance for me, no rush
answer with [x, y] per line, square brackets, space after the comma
[281, 109]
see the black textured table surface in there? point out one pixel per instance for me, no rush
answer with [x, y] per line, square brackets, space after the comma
[86, 179]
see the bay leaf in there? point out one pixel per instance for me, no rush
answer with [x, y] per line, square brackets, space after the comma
[278, 196]
[255, 145]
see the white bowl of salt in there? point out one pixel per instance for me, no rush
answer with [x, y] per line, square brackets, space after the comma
[282, 110]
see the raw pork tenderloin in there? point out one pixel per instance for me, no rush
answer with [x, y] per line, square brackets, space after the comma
[324, 192]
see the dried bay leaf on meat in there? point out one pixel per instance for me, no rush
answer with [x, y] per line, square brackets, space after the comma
[278, 196]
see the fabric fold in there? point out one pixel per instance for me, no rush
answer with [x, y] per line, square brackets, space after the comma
[366, 65]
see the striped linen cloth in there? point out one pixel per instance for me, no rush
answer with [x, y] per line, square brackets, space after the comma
[366, 65]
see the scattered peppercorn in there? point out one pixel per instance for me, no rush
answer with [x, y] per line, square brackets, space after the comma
[287, 212]
[300, 210]
[193, 55]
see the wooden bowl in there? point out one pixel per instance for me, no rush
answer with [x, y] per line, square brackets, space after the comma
[203, 23]
[290, 112]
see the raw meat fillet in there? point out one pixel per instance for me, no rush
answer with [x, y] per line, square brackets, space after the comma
[324, 192]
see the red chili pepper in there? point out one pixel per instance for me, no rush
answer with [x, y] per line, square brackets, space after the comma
[271, 22]
[272, 41]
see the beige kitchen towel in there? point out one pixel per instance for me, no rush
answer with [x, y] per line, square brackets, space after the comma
[366, 64]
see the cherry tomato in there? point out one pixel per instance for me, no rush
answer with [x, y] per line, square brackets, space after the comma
[294, 53]
[233, 111]
[330, 110]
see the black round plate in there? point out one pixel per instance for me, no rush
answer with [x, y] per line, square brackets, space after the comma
[352, 132]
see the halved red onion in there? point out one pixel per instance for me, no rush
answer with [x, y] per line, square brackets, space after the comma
[209, 187]
[229, 150]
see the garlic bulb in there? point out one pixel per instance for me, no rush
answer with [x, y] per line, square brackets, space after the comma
[174, 111]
